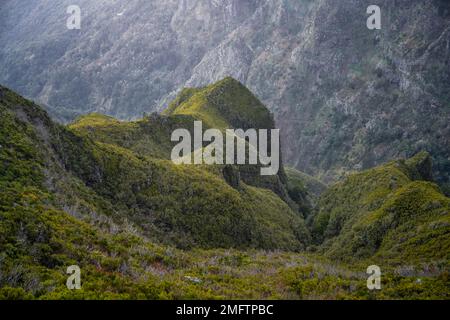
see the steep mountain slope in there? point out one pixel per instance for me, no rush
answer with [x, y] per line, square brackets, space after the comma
[70, 196]
[150, 46]
[298, 180]
[348, 98]
[50, 220]
[389, 213]
[224, 105]
[229, 104]
[357, 97]
[182, 205]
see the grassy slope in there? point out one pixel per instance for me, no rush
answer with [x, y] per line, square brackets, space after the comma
[389, 213]
[225, 104]
[229, 104]
[56, 210]
[304, 189]
[147, 137]
[297, 178]
[188, 200]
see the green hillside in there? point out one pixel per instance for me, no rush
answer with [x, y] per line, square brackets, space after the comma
[304, 189]
[147, 137]
[181, 205]
[102, 194]
[225, 104]
[391, 212]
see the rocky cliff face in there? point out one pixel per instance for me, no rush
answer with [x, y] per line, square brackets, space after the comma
[126, 57]
[345, 97]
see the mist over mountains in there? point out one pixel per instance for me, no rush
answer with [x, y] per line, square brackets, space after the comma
[345, 97]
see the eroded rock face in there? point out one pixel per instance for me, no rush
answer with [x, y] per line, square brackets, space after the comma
[125, 59]
[345, 97]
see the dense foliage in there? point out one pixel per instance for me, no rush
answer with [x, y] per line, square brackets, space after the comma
[103, 195]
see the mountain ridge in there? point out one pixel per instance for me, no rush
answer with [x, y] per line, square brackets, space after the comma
[347, 97]
[68, 197]
[136, 180]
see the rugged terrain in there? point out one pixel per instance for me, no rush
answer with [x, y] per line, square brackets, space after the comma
[102, 194]
[347, 98]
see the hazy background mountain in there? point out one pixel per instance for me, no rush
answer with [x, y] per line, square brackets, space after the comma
[345, 97]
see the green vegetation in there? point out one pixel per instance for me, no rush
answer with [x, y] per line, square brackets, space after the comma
[303, 189]
[225, 104]
[147, 137]
[388, 213]
[102, 194]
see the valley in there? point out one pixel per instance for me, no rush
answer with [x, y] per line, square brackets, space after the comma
[103, 194]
